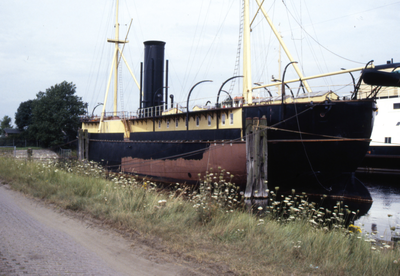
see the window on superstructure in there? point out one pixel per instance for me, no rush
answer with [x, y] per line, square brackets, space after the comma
[197, 121]
[223, 119]
[231, 118]
[209, 120]
[176, 122]
[168, 123]
[388, 140]
[159, 123]
[396, 106]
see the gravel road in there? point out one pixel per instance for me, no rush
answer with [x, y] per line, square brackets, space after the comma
[38, 240]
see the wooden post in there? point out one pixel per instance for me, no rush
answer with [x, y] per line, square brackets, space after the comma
[80, 145]
[29, 153]
[257, 158]
[86, 137]
[249, 157]
[262, 180]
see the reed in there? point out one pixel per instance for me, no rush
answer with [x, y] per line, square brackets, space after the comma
[290, 235]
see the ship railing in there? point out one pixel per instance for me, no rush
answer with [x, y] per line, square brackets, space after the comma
[384, 92]
[118, 115]
[86, 118]
[155, 111]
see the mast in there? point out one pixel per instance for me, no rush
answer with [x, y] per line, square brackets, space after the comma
[247, 84]
[114, 67]
[116, 60]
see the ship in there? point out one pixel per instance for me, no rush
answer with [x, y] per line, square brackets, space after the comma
[315, 140]
[383, 155]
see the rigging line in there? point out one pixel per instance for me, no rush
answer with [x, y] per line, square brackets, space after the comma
[265, 68]
[217, 146]
[239, 47]
[320, 49]
[213, 41]
[172, 156]
[197, 41]
[103, 47]
[305, 152]
[221, 145]
[307, 133]
[317, 41]
[359, 12]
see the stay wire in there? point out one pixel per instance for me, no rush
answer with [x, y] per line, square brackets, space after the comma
[225, 142]
[333, 53]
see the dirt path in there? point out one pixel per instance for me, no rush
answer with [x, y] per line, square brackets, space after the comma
[36, 239]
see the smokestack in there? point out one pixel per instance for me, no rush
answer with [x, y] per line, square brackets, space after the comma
[153, 73]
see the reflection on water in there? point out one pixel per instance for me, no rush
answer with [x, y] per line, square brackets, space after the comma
[382, 216]
[384, 213]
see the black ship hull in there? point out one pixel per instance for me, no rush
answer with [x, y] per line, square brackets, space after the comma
[312, 147]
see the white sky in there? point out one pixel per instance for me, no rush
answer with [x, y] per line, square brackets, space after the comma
[44, 42]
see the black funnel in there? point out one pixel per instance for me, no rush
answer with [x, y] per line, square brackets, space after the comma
[153, 73]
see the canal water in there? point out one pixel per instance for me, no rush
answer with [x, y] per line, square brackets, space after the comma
[383, 216]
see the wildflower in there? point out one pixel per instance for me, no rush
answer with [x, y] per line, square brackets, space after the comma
[354, 229]
[260, 208]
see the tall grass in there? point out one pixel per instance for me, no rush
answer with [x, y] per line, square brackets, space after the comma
[211, 223]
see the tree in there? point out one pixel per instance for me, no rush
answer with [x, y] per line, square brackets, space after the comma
[55, 114]
[23, 116]
[5, 123]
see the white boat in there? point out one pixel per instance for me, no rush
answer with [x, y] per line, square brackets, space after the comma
[383, 155]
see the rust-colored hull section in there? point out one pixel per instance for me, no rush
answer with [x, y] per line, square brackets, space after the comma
[230, 156]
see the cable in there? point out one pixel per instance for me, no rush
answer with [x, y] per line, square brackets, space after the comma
[317, 41]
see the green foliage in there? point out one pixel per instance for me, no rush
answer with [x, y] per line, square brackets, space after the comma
[5, 123]
[55, 114]
[23, 116]
[209, 224]
[215, 194]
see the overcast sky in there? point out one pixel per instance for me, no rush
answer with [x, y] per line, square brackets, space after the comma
[44, 42]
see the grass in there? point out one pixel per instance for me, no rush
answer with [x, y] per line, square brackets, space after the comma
[289, 236]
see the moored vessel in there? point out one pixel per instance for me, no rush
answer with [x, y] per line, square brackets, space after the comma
[316, 140]
[383, 155]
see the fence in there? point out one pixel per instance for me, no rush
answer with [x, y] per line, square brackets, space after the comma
[12, 141]
[8, 151]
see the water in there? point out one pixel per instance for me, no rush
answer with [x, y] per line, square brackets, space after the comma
[384, 212]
